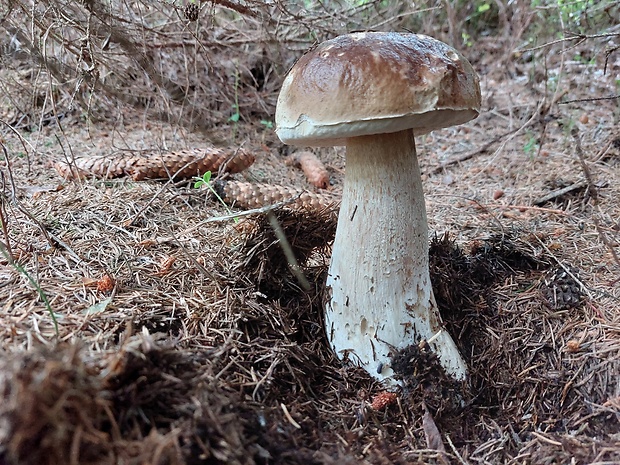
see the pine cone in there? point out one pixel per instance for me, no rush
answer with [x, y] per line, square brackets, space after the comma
[104, 167]
[313, 168]
[192, 10]
[183, 164]
[247, 195]
[561, 290]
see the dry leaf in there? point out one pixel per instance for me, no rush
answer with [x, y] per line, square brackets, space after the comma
[434, 441]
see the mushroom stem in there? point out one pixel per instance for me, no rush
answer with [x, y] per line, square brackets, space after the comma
[380, 297]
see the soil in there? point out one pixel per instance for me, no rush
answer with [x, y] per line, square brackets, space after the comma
[142, 323]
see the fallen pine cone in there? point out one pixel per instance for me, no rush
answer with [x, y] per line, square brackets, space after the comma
[105, 167]
[182, 164]
[186, 164]
[313, 168]
[248, 195]
[192, 11]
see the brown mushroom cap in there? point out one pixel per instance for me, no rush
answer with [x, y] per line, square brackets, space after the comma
[375, 82]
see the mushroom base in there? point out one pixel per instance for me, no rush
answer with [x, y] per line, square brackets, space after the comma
[380, 297]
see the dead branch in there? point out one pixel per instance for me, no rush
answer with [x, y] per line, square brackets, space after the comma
[580, 38]
[559, 192]
[592, 99]
[467, 155]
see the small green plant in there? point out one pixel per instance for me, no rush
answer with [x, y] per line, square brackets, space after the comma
[483, 7]
[20, 269]
[467, 40]
[236, 115]
[7, 252]
[567, 124]
[531, 146]
[573, 10]
[482, 16]
[268, 124]
[379, 5]
[586, 61]
[234, 118]
[205, 181]
[578, 16]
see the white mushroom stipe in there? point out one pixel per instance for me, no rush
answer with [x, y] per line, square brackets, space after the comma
[380, 297]
[372, 93]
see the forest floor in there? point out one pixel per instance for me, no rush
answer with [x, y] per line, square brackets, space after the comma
[183, 338]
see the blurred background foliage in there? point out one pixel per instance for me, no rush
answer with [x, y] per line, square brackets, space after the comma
[200, 64]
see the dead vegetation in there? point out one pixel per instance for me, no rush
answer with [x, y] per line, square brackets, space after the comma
[142, 322]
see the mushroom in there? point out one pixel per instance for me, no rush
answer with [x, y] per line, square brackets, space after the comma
[372, 92]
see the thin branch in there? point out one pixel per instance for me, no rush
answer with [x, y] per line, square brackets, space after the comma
[580, 38]
[4, 223]
[559, 192]
[254, 211]
[594, 99]
[467, 155]
[285, 245]
[552, 211]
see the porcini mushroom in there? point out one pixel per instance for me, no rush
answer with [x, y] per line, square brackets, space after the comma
[372, 92]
